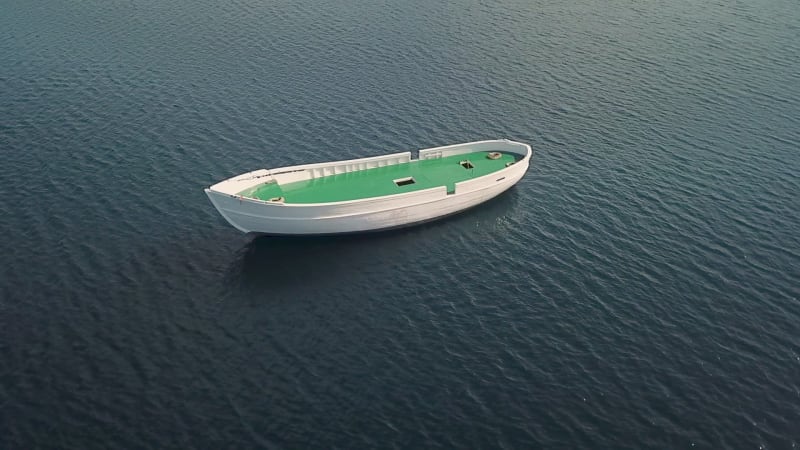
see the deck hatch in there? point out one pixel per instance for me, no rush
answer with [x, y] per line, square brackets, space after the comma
[404, 181]
[467, 164]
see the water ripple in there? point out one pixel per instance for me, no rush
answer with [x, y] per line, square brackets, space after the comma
[637, 289]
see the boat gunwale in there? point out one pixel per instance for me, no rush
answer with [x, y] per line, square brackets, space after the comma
[525, 159]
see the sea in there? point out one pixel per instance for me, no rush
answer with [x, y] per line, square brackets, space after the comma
[638, 288]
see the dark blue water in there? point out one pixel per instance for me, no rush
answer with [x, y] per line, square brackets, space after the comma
[637, 289]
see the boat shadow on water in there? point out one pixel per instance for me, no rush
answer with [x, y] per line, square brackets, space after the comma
[279, 262]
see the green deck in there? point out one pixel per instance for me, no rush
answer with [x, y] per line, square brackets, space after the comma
[380, 181]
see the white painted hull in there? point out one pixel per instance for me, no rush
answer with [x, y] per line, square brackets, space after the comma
[368, 214]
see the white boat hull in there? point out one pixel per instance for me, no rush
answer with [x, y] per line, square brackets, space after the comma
[369, 214]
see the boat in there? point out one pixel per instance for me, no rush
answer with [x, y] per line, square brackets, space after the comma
[370, 194]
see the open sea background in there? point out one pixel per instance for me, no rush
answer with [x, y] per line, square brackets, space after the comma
[637, 289]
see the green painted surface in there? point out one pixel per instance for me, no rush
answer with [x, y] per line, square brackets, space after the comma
[380, 181]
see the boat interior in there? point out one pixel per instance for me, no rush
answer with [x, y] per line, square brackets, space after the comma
[379, 176]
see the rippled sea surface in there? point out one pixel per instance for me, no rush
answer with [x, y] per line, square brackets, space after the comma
[637, 289]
